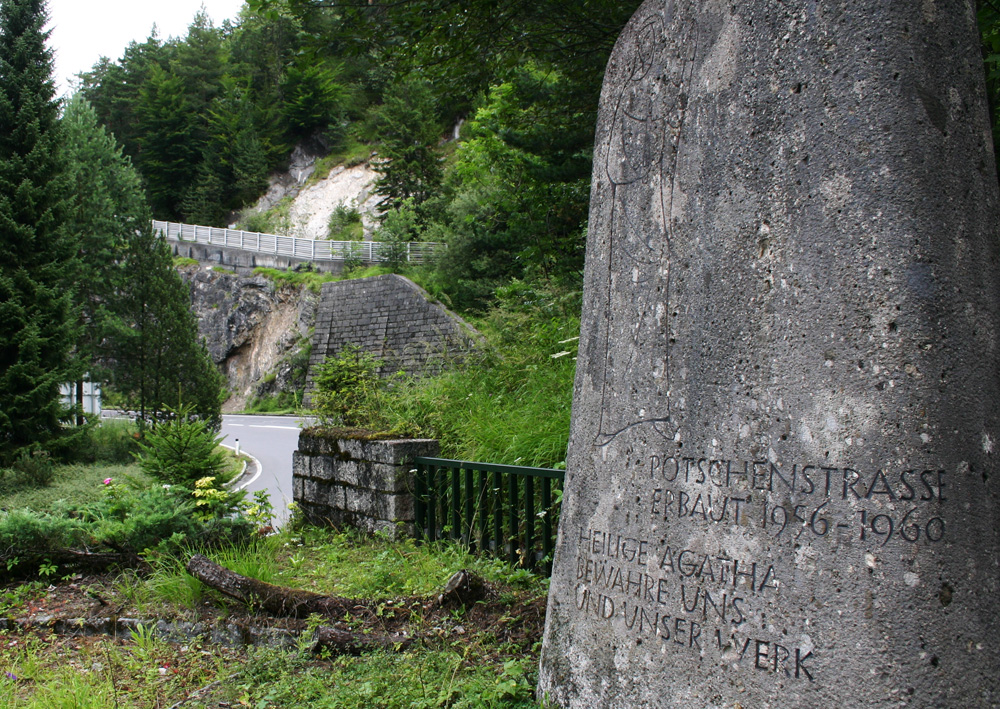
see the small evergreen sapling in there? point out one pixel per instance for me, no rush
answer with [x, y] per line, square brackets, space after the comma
[183, 450]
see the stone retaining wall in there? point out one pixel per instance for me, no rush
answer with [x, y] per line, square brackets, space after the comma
[347, 480]
[391, 318]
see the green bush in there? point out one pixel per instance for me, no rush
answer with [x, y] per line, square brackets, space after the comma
[312, 280]
[345, 387]
[345, 224]
[130, 520]
[282, 402]
[399, 227]
[353, 260]
[350, 393]
[111, 441]
[182, 450]
[27, 538]
[134, 520]
[31, 468]
[262, 222]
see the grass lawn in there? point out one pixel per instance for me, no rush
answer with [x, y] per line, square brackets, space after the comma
[76, 483]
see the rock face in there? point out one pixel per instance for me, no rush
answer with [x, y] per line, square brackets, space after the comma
[250, 328]
[313, 204]
[348, 186]
[781, 486]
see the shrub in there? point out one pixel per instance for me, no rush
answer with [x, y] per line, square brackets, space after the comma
[262, 222]
[346, 386]
[130, 519]
[111, 441]
[182, 450]
[353, 259]
[133, 520]
[27, 538]
[32, 468]
[345, 224]
[399, 227]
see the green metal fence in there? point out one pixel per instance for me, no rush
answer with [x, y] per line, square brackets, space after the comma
[507, 510]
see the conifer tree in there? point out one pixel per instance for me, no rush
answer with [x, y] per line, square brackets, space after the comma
[158, 356]
[37, 310]
[106, 207]
[138, 331]
[408, 133]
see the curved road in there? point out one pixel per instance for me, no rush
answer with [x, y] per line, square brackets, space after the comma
[271, 440]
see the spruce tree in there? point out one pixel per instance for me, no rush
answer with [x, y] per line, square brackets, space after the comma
[106, 207]
[408, 133]
[139, 333]
[37, 304]
[158, 356]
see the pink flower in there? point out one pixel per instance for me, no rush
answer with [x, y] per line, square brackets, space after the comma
[107, 481]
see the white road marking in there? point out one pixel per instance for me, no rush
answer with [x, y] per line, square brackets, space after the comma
[260, 468]
[287, 428]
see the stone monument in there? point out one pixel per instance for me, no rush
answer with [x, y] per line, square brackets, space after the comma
[782, 487]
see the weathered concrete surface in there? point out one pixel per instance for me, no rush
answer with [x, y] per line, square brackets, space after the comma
[244, 262]
[781, 486]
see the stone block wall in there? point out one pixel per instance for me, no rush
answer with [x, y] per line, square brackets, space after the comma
[347, 480]
[391, 318]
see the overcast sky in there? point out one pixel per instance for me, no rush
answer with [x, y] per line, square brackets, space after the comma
[85, 30]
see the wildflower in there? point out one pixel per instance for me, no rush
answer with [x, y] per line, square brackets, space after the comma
[11, 675]
[107, 481]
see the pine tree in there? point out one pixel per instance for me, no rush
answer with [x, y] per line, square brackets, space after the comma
[37, 311]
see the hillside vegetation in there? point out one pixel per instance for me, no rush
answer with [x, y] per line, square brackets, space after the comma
[207, 117]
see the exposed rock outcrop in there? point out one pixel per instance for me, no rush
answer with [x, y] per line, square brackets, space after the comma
[313, 201]
[251, 328]
[352, 186]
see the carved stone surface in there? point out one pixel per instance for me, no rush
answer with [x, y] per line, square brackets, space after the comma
[781, 486]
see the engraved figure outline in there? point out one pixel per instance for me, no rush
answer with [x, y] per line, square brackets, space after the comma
[649, 43]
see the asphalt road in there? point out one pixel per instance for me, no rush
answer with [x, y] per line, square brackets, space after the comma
[271, 440]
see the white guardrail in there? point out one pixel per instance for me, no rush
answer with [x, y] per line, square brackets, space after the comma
[309, 249]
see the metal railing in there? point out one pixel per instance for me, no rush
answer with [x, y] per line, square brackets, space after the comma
[295, 247]
[506, 510]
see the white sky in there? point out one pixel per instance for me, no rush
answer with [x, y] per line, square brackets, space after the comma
[85, 30]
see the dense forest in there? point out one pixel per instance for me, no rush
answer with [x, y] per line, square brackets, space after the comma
[206, 118]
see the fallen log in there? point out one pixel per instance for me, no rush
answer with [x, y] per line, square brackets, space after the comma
[290, 602]
[275, 600]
